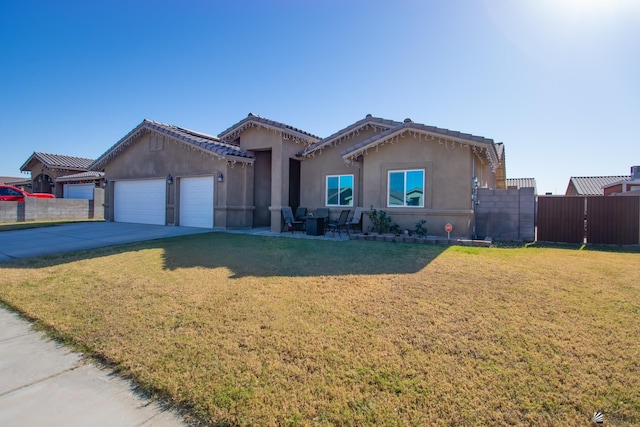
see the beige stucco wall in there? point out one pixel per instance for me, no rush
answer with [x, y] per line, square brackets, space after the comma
[448, 180]
[138, 161]
[261, 139]
[315, 169]
[448, 176]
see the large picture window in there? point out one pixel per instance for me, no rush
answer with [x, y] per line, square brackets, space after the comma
[340, 190]
[406, 188]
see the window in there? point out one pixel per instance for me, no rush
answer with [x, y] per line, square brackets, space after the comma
[340, 190]
[406, 188]
[9, 192]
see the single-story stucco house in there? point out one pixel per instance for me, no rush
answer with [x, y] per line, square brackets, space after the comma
[164, 174]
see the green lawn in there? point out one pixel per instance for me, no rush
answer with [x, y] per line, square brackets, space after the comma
[246, 330]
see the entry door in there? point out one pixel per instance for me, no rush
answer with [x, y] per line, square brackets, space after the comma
[196, 202]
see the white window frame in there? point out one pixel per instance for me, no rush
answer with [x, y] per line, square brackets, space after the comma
[326, 189]
[404, 172]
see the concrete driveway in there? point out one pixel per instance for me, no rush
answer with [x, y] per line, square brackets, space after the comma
[83, 235]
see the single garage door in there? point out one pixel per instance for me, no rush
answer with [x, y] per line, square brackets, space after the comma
[79, 191]
[196, 202]
[141, 202]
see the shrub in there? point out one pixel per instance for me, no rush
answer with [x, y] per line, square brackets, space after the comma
[420, 229]
[381, 221]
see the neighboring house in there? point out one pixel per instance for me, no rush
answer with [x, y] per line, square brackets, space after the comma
[21, 183]
[163, 174]
[629, 184]
[590, 185]
[7, 179]
[46, 168]
[603, 185]
[518, 183]
[80, 185]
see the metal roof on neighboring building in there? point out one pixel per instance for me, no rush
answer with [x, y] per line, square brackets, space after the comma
[591, 185]
[82, 176]
[57, 161]
[10, 179]
[521, 183]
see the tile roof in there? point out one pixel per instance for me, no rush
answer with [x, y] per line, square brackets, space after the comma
[431, 133]
[82, 176]
[207, 143]
[58, 161]
[252, 120]
[592, 185]
[350, 131]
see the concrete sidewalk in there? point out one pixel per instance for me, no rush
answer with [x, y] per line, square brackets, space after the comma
[44, 384]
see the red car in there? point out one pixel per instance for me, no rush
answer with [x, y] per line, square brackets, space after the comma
[9, 193]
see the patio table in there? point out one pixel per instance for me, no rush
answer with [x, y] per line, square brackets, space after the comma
[314, 225]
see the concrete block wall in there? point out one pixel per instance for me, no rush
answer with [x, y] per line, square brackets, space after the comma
[506, 214]
[33, 209]
[9, 211]
[51, 209]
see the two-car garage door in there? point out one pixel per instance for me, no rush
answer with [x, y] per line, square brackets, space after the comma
[144, 201]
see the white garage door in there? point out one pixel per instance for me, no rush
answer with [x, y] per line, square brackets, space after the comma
[196, 202]
[79, 191]
[141, 202]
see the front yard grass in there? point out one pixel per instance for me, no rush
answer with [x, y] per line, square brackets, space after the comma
[246, 330]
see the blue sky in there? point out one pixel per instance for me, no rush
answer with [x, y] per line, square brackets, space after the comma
[556, 80]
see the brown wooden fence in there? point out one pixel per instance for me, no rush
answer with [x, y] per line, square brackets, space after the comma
[594, 219]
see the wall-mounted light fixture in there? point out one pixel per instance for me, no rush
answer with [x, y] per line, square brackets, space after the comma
[220, 177]
[169, 179]
[105, 182]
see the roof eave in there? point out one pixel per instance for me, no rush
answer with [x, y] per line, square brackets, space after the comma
[399, 131]
[149, 126]
[350, 131]
[288, 133]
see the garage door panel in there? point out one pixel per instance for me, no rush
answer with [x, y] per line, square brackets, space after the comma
[141, 202]
[79, 191]
[196, 202]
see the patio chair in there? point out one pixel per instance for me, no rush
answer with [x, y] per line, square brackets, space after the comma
[340, 223]
[289, 221]
[356, 220]
[300, 212]
[300, 216]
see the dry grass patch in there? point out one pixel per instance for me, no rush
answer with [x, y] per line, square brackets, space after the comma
[246, 330]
